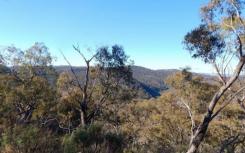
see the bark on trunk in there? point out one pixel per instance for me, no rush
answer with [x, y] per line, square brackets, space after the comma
[199, 134]
[82, 118]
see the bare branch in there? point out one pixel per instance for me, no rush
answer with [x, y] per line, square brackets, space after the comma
[229, 62]
[193, 124]
[73, 71]
[79, 51]
[228, 102]
[222, 79]
[84, 58]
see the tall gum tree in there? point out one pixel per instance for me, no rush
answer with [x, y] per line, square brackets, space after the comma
[219, 41]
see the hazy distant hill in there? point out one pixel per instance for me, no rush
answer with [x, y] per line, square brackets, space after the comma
[152, 77]
[150, 81]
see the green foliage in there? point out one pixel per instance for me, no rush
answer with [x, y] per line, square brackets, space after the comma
[29, 139]
[93, 139]
[204, 43]
[38, 115]
[192, 89]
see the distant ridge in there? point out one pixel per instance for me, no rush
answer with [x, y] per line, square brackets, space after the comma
[150, 81]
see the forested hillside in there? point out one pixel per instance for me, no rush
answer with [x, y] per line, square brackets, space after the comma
[43, 107]
[110, 105]
[150, 82]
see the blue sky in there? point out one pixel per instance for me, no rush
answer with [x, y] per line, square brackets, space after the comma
[150, 31]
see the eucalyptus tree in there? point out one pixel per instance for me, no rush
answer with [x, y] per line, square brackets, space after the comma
[219, 41]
